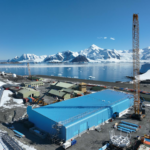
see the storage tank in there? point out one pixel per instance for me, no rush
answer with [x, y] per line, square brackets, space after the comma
[14, 75]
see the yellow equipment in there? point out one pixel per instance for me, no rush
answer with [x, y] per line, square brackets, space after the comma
[56, 101]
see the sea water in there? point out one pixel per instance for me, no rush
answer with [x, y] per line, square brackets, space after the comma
[110, 72]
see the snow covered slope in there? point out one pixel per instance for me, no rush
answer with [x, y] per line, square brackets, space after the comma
[145, 67]
[96, 53]
[93, 54]
[145, 76]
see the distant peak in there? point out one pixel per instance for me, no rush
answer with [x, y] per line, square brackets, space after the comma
[94, 47]
[147, 47]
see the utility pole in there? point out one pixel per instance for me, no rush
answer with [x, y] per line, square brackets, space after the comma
[29, 70]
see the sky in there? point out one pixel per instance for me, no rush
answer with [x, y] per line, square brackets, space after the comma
[45, 27]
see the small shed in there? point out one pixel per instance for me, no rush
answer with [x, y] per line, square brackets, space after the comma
[27, 92]
[60, 94]
[82, 87]
[32, 84]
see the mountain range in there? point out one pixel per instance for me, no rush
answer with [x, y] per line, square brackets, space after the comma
[92, 54]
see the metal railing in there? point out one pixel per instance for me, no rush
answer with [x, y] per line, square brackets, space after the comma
[10, 143]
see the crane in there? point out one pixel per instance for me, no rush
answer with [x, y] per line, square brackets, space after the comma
[136, 67]
[29, 70]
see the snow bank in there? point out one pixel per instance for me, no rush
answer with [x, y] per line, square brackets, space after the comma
[5, 98]
[18, 101]
[14, 106]
[24, 146]
[2, 83]
[145, 76]
[145, 67]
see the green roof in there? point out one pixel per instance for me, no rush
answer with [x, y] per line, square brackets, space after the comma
[25, 90]
[67, 90]
[57, 93]
[64, 85]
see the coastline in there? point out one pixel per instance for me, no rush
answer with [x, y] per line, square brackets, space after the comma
[143, 87]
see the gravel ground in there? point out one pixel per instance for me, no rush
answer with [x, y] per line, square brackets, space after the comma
[92, 140]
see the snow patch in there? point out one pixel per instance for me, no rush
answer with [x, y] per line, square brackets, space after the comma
[145, 76]
[18, 101]
[2, 83]
[5, 97]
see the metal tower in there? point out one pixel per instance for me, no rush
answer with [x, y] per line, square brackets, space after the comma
[136, 63]
[29, 71]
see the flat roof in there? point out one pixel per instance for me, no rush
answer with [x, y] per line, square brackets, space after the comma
[25, 90]
[67, 90]
[63, 84]
[57, 93]
[64, 110]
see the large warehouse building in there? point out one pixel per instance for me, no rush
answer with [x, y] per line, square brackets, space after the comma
[80, 114]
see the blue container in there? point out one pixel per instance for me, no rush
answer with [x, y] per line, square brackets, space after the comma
[30, 99]
[73, 142]
[114, 116]
[117, 114]
[29, 85]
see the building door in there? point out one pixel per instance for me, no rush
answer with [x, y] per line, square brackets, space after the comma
[83, 127]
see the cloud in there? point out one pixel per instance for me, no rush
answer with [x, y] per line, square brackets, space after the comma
[112, 38]
[102, 37]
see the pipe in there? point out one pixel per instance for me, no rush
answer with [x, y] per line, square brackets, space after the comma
[127, 126]
[129, 123]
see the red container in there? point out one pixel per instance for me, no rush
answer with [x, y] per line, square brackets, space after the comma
[26, 100]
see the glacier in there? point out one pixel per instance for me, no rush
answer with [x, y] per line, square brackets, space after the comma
[93, 54]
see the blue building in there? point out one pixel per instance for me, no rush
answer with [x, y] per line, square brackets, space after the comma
[68, 119]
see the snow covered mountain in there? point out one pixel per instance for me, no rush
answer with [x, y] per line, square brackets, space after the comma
[93, 54]
[96, 53]
[28, 58]
[64, 56]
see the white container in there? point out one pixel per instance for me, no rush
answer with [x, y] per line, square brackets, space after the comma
[14, 75]
[3, 73]
[66, 145]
